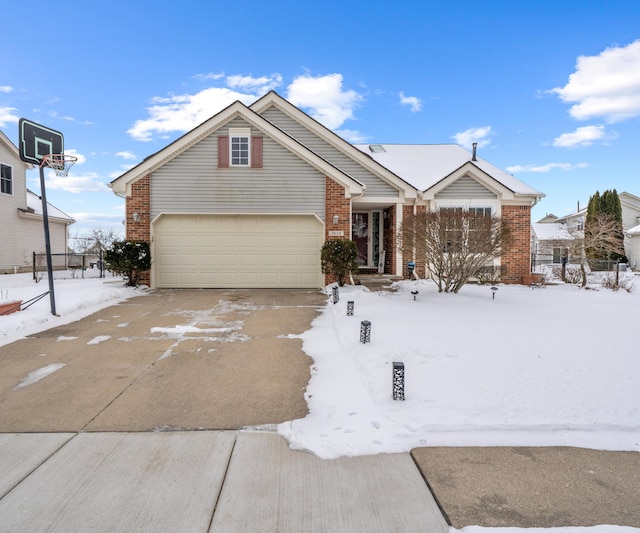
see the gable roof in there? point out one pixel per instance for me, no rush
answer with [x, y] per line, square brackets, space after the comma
[13, 149]
[397, 181]
[34, 207]
[629, 199]
[122, 184]
[426, 165]
[551, 231]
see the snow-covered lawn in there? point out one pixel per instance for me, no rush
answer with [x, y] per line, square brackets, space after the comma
[551, 366]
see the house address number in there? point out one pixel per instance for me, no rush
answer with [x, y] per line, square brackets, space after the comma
[336, 233]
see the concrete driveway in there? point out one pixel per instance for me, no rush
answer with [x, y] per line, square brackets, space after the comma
[187, 359]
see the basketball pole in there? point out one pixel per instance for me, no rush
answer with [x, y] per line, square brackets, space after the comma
[47, 241]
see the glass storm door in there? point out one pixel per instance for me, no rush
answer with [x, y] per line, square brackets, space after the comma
[360, 235]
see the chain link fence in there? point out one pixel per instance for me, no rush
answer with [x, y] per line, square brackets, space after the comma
[69, 265]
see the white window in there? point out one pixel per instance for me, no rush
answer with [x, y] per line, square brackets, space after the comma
[6, 179]
[240, 147]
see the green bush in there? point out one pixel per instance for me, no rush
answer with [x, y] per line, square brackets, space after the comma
[339, 258]
[128, 259]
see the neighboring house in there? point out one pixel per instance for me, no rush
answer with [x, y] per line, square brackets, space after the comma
[630, 221]
[247, 198]
[551, 242]
[630, 205]
[633, 252]
[21, 228]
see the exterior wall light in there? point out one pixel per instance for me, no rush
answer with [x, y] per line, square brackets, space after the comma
[136, 217]
[336, 219]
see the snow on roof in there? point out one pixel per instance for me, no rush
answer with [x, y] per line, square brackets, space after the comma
[634, 231]
[546, 231]
[34, 202]
[424, 165]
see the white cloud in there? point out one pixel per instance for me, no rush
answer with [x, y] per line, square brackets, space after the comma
[92, 217]
[90, 182]
[126, 155]
[353, 136]
[478, 135]
[258, 86]
[7, 116]
[184, 112]
[545, 168]
[606, 86]
[412, 101]
[324, 98]
[6, 89]
[81, 158]
[209, 76]
[583, 136]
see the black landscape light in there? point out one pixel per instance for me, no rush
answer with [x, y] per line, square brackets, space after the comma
[397, 381]
[365, 331]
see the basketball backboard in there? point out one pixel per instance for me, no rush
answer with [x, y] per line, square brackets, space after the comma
[36, 141]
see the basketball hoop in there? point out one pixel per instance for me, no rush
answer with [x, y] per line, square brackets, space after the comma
[60, 163]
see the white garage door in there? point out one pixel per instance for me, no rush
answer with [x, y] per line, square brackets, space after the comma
[237, 251]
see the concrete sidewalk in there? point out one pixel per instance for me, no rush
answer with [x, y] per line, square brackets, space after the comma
[201, 481]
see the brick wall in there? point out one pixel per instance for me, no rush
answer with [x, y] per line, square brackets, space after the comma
[408, 254]
[139, 203]
[516, 259]
[389, 239]
[336, 204]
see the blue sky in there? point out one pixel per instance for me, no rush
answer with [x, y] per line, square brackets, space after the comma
[550, 90]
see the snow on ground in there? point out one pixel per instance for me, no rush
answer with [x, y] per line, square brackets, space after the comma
[542, 367]
[74, 298]
[551, 366]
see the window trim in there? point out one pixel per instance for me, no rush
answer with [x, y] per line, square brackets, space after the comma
[8, 180]
[240, 133]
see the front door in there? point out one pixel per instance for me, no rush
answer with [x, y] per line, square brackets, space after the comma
[366, 232]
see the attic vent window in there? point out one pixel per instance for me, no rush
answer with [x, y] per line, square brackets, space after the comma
[376, 148]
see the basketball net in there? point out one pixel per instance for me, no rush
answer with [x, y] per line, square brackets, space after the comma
[60, 163]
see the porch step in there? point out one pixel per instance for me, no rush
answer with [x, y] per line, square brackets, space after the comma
[376, 282]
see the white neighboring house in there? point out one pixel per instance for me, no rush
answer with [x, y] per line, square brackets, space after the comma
[545, 230]
[631, 226]
[550, 242]
[633, 253]
[21, 228]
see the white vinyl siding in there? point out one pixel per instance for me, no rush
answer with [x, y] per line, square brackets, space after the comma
[465, 188]
[375, 185]
[193, 183]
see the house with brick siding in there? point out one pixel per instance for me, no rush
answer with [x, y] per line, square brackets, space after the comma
[248, 197]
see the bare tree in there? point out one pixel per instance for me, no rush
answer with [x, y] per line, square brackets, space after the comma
[600, 237]
[98, 239]
[455, 243]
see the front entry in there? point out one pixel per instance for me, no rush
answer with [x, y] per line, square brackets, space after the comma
[366, 232]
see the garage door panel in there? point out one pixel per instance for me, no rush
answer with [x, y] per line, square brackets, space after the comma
[228, 251]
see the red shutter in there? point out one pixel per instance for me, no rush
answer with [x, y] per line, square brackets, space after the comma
[256, 152]
[223, 151]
